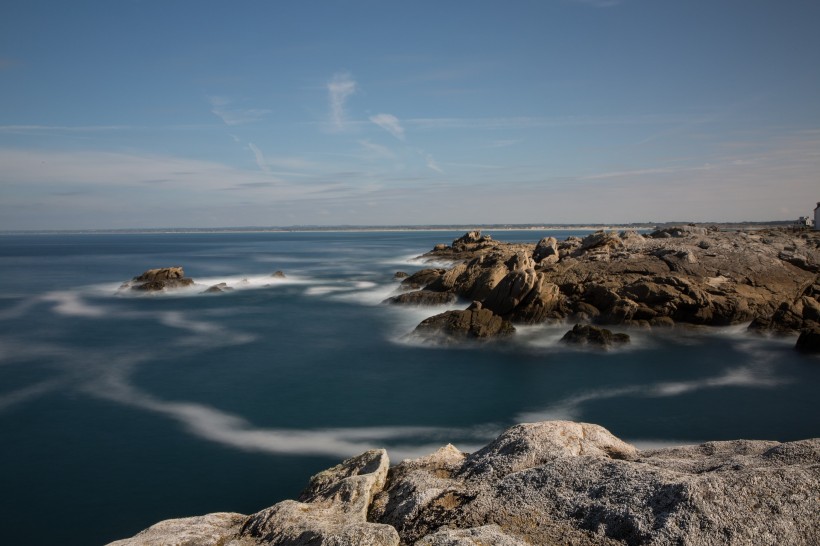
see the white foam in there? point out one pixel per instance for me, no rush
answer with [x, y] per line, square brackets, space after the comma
[571, 408]
[72, 304]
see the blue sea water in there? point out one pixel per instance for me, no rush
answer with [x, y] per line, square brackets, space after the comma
[120, 409]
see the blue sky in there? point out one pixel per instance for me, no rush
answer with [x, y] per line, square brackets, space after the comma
[140, 113]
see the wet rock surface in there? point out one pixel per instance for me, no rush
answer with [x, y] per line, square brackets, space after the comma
[584, 334]
[548, 483]
[676, 275]
[159, 279]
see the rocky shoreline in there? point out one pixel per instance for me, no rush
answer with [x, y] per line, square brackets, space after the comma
[680, 275]
[548, 483]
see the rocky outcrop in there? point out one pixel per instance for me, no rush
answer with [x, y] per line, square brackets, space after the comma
[332, 510]
[676, 275]
[159, 279]
[475, 322]
[549, 483]
[584, 334]
[423, 297]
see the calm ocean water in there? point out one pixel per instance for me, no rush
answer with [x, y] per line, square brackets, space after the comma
[118, 410]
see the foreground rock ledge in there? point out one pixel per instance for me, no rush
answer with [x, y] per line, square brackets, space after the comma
[549, 483]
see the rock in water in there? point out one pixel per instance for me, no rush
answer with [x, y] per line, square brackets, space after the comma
[160, 279]
[474, 322]
[423, 297]
[583, 334]
[809, 341]
[549, 483]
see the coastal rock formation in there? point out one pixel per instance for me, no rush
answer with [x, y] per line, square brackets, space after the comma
[159, 279]
[682, 274]
[549, 483]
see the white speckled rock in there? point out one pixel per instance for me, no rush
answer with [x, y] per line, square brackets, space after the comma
[211, 530]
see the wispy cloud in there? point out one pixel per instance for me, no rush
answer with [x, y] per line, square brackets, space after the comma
[431, 163]
[376, 150]
[339, 89]
[646, 172]
[389, 123]
[260, 157]
[231, 115]
[527, 122]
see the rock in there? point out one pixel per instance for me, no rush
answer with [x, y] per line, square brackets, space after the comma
[332, 510]
[423, 297]
[278, 275]
[422, 278]
[401, 275]
[678, 231]
[583, 334]
[682, 274]
[474, 536]
[546, 249]
[600, 239]
[218, 288]
[809, 341]
[474, 322]
[210, 530]
[471, 238]
[160, 279]
[554, 482]
[571, 483]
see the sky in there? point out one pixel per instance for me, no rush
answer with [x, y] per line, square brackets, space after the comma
[175, 113]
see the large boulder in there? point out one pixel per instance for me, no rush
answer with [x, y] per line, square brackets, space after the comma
[546, 251]
[332, 510]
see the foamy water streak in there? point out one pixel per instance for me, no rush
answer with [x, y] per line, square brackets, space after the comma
[758, 374]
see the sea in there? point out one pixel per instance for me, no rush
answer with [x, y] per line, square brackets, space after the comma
[119, 409]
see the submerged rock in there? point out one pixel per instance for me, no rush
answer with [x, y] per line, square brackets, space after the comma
[278, 275]
[548, 483]
[218, 288]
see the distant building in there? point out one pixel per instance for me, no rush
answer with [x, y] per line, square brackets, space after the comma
[817, 217]
[804, 221]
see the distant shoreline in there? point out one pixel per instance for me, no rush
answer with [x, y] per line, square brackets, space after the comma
[420, 228]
